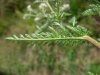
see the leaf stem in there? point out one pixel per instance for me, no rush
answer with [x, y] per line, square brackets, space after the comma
[86, 37]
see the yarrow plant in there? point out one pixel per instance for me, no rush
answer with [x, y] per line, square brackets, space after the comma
[57, 24]
[52, 25]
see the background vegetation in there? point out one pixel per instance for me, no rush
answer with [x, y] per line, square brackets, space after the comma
[22, 58]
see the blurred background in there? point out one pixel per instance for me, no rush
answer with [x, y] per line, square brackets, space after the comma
[19, 58]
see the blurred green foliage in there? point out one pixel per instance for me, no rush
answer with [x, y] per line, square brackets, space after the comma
[95, 68]
[23, 59]
[11, 11]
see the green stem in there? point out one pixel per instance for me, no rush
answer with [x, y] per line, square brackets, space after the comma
[46, 39]
[86, 37]
[49, 6]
